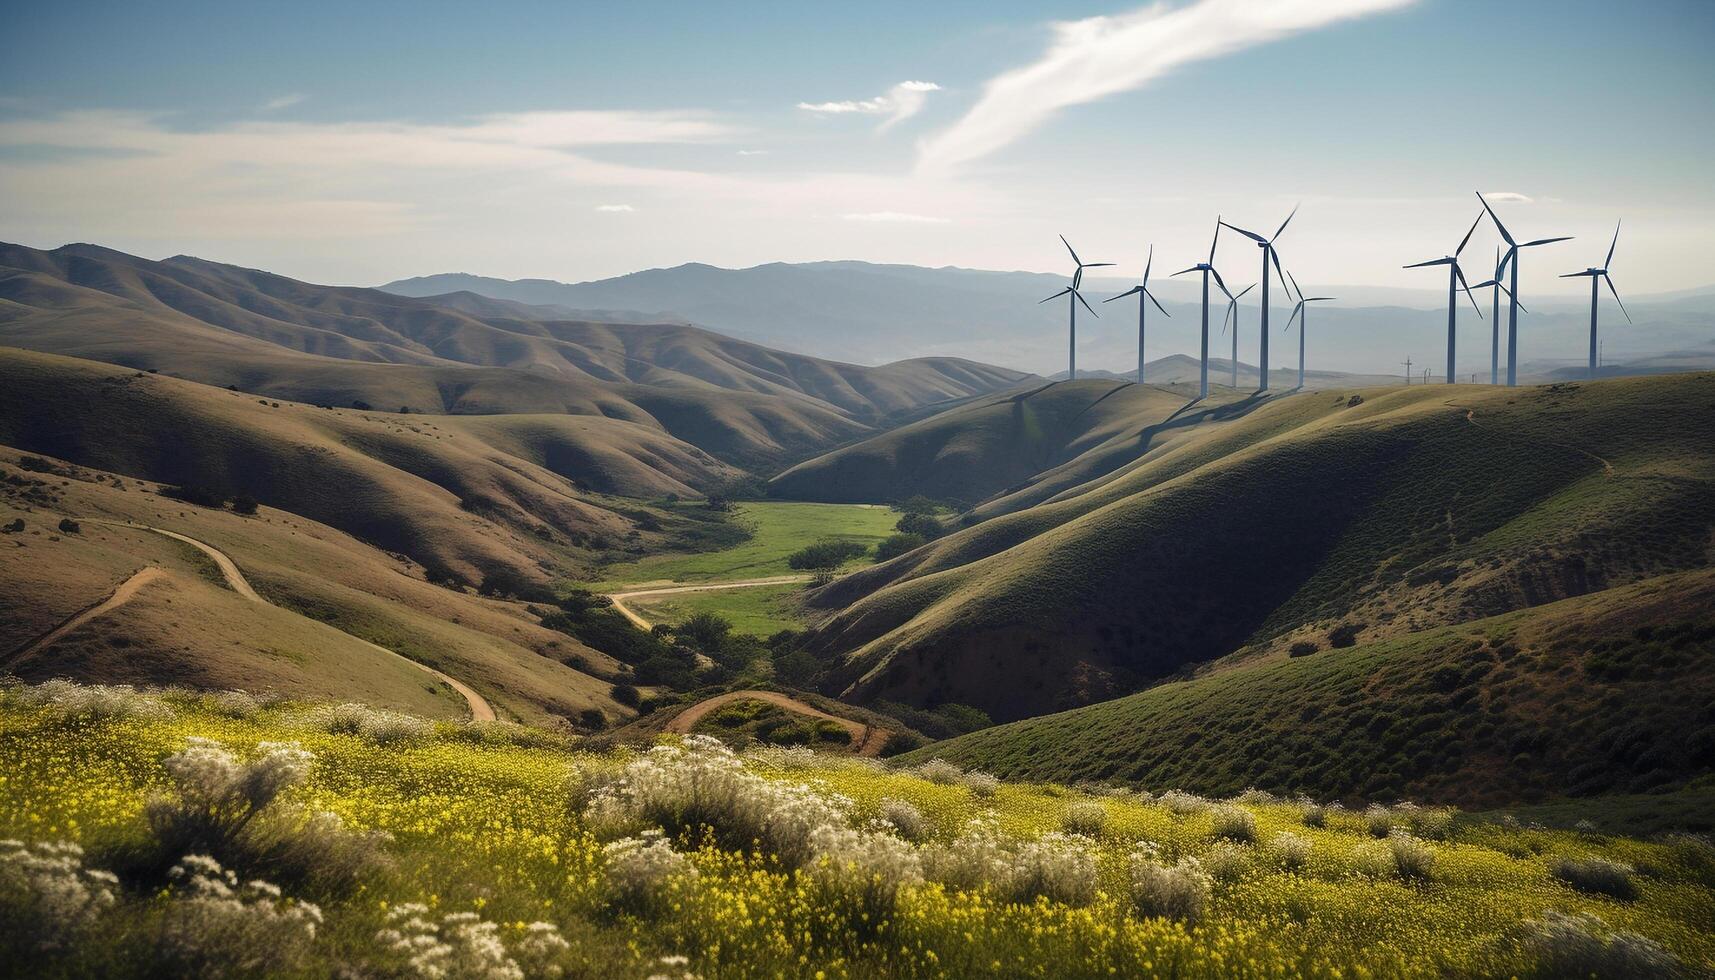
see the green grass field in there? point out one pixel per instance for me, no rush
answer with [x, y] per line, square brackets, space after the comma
[777, 530]
[760, 611]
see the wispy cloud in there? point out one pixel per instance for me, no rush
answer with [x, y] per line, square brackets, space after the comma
[1097, 57]
[615, 208]
[893, 217]
[752, 153]
[1508, 197]
[898, 103]
[283, 102]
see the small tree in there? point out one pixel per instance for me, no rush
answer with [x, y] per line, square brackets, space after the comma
[705, 631]
[925, 526]
[244, 504]
[824, 557]
[69, 526]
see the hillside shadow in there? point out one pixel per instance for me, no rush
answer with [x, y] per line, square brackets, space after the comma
[1188, 415]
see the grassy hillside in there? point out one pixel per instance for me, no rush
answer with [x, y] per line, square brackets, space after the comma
[274, 336]
[1393, 512]
[1025, 445]
[514, 850]
[442, 490]
[325, 592]
[1604, 693]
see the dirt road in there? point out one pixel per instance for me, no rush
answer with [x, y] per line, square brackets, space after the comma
[643, 624]
[123, 594]
[480, 709]
[867, 739]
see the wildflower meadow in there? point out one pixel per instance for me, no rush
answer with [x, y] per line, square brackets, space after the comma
[165, 833]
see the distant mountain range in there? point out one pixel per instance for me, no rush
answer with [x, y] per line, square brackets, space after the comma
[868, 314]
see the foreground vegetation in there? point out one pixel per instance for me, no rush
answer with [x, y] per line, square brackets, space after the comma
[222, 835]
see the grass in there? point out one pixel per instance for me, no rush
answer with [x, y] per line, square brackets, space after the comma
[777, 530]
[1607, 693]
[1408, 511]
[480, 822]
[760, 611]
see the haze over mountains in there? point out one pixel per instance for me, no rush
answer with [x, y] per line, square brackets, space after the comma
[868, 313]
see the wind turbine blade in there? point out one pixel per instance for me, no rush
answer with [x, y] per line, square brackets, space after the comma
[1226, 319]
[1055, 296]
[1075, 259]
[1290, 279]
[1219, 282]
[1147, 263]
[1461, 274]
[1485, 285]
[1253, 236]
[1575, 275]
[1610, 259]
[1501, 270]
[1505, 235]
[1283, 224]
[1610, 281]
[1132, 290]
[1296, 310]
[1547, 241]
[1157, 303]
[1096, 265]
[1467, 239]
[1511, 297]
[1080, 297]
[1216, 240]
[1183, 271]
[1275, 258]
[1419, 265]
[1243, 291]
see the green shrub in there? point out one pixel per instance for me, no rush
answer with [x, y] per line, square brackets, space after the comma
[895, 545]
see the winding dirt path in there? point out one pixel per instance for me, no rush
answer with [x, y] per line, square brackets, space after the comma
[1471, 417]
[644, 624]
[867, 738]
[480, 709]
[126, 591]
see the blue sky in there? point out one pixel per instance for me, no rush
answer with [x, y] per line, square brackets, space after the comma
[576, 141]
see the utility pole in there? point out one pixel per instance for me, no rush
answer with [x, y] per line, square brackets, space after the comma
[1426, 373]
[1407, 363]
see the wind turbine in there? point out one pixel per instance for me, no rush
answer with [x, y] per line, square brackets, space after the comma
[1495, 290]
[1512, 291]
[1208, 269]
[1268, 255]
[1233, 315]
[1455, 279]
[1300, 314]
[1073, 298]
[1596, 277]
[1143, 293]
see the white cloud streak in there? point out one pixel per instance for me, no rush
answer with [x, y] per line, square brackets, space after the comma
[615, 208]
[898, 103]
[1508, 197]
[1097, 57]
[283, 102]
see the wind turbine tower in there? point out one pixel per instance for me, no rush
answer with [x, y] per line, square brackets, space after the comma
[1455, 279]
[1143, 293]
[1269, 255]
[1073, 298]
[1301, 314]
[1208, 269]
[1512, 292]
[1495, 290]
[1233, 315]
[1596, 278]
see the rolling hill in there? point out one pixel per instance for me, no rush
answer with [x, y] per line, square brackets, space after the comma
[328, 597]
[274, 336]
[1389, 511]
[1020, 444]
[466, 493]
[1609, 692]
